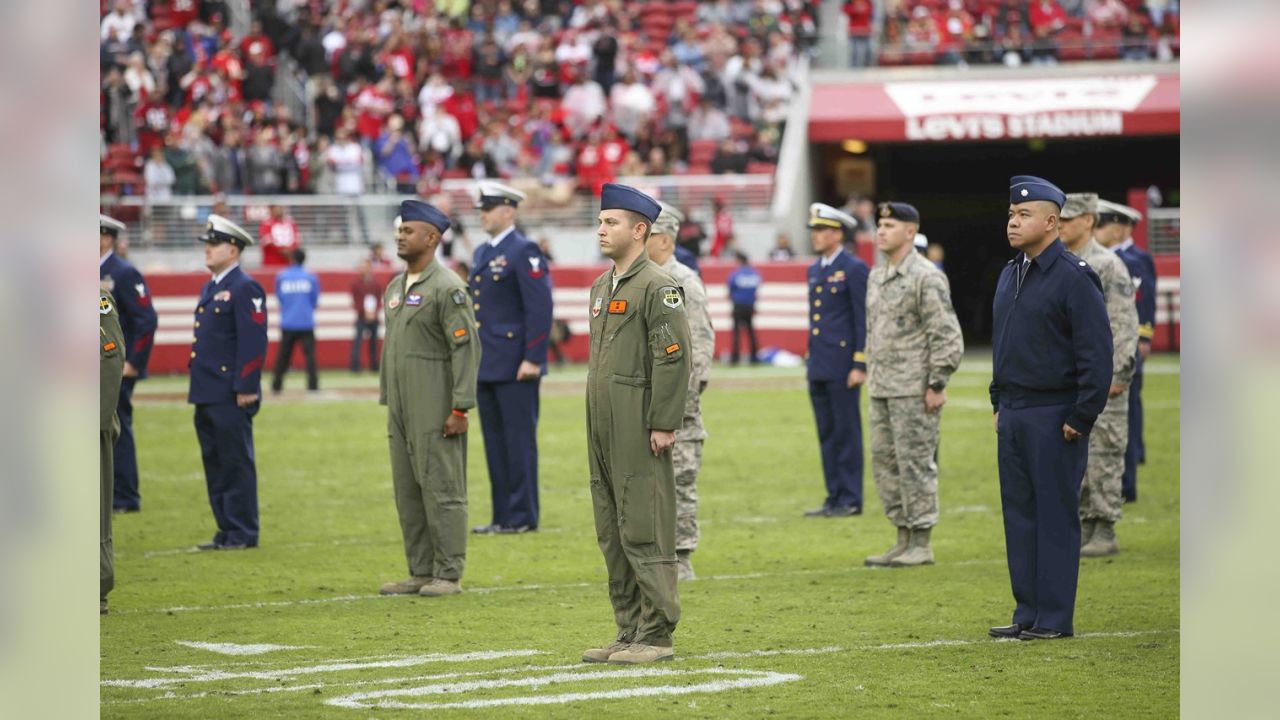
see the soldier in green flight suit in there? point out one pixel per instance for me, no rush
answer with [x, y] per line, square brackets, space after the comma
[637, 378]
[430, 359]
[111, 340]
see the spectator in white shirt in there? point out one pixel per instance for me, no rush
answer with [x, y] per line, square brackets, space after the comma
[346, 157]
[159, 176]
[583, 104]
[708, 122]
[120, 19]
[632, 102]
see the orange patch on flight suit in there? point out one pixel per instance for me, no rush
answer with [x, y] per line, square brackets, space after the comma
[109, 346]
[672, 348]
[617, 307]
[459, 332]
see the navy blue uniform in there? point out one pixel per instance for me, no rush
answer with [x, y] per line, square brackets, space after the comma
[227, 353]
[138, 320]
[837, 338]
[687, 258]
[1051, 365]
[1142, 268]
[511, 288]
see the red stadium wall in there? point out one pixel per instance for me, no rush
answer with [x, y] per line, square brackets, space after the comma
[781, 311]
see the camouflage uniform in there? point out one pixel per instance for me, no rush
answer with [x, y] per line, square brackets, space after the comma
[913, 341]
[686, 456]
[1100, 493]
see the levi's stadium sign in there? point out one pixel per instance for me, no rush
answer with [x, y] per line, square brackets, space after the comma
[995, 109]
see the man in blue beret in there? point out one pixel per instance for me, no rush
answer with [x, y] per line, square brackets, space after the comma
[227, 354]
[1052, 366]
[837, 360]
[511, 291]
[637, 381]
[430, 358]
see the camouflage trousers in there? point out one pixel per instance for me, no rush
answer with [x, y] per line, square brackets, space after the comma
[1100, 497]
[686, 457]
[904, 448]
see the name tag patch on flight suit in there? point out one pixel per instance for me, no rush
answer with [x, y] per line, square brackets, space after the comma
[413, 299]
[617, 307]
[595, 309]
[671, 297]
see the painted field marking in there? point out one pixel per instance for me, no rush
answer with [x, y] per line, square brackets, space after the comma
[740, 679]
[183, 674]
[238, 649]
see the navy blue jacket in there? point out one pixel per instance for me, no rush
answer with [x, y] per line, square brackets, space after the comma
[230, 342]
[1052, 339]
[511, 288]
[137, 314]
[837, 317]
[1142, 268]
[685, 257]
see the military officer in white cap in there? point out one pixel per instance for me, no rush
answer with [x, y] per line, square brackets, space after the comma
[227, 353]
[837, 361]
[511, 292]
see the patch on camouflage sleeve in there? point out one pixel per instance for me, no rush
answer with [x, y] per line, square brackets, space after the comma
[458, 297]
[671, 297]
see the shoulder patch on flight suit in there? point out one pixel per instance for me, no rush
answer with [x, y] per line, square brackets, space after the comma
[104, 306]
[671, 297]
[460, 332]
[458, 297]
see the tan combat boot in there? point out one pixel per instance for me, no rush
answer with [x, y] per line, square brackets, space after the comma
[1103, 542]
[685, 569]
[408, 586]
[1087, 527]
[904, 535]
[601, 654]
[638, 653]
[918, 550]
[440, 586]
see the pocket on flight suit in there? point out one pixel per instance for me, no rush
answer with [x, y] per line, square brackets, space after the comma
[639, 511]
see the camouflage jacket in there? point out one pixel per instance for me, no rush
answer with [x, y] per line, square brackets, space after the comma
[1122, 309]
[913, 336]
[701, 334]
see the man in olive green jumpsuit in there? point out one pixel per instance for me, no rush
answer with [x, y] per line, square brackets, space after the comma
[430, 359]
[111, 340]
[637, 379]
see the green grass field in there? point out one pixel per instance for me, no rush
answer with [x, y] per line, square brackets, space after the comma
[784, 620]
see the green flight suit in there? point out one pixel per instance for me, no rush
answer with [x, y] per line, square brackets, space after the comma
[637, 379]
[111, 342]
[430, 359]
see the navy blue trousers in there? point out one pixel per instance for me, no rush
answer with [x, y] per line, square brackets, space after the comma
[509, 419]
[1136, 452]
[1040, 475]
[225, 433]
[126, 496]
[839, 420]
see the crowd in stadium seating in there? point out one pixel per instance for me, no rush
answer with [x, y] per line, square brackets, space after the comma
[401, 94]
[1012, 32]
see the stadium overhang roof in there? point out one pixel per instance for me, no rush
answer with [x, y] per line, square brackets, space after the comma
[995, 109]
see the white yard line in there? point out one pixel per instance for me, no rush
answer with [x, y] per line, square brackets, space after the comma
[238, 649]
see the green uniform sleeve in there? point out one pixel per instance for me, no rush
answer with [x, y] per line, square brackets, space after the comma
[670, 351]
[391, 289]
[459, 324]
[1122, 311]
[942, 328]
[112, 351]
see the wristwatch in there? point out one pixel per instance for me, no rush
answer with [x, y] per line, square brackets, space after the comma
[937, 386]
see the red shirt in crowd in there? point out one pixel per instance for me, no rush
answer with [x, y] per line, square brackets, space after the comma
[154, 118]
[1047, 15]
[366, 298]
[400, 62]
[859, 13]
[257, 43]
[374, 106]
[462, 106]
[723, 231]
[278, 238]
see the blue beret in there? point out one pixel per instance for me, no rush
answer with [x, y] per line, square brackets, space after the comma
[422, 212]
[625, 197]
[900, 211]
[1025, 188]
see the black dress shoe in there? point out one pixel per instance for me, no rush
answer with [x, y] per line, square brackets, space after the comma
[823, 511]
[123, 510]
[845, 511]
[515, 530]
[1042, 634]
[1007, 631]
[485, 529]
[203, 547]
